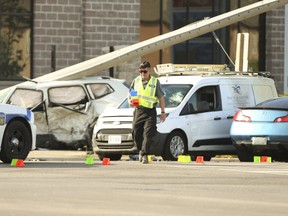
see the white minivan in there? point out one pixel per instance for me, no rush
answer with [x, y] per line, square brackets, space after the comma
[200, 104]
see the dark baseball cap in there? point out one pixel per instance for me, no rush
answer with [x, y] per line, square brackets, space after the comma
[145, 64]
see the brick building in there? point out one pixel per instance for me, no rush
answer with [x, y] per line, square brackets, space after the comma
[80, 30]
[66, 32]
[275, 45]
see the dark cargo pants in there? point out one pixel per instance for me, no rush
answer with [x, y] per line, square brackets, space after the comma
[144, 128]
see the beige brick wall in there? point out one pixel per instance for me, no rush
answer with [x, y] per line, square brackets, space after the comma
[275, 46]
[80, 29]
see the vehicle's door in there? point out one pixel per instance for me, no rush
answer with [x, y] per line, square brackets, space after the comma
[203, 113]
[67, 113]
[34, 100]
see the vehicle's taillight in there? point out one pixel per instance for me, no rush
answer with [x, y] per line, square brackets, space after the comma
[240, 117]
[281, 119]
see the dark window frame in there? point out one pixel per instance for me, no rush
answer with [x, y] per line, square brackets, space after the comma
[223, 34]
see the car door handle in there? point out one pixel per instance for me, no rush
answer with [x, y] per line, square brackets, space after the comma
[230, 117]
[217, 118]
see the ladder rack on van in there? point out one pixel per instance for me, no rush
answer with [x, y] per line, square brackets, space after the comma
[201, 69]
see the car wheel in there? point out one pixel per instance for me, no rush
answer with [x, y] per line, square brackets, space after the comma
[280, 157]
[16, 142]
[113, 157]
[176, 145]
[244, 154]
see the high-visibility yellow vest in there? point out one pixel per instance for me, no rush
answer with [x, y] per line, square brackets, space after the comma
[146, 96]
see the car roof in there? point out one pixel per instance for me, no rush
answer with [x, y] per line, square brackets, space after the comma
[274, 101]
[85, 80]
[179, 79]
[192, 79]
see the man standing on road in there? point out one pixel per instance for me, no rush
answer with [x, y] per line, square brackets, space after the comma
[147, 91]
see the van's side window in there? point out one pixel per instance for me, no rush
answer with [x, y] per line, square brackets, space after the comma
[203, 100]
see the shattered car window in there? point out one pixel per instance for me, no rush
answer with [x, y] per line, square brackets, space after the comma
[26, 98]
[4, 93]
[67, 95]
[174, 94]
[100, 89]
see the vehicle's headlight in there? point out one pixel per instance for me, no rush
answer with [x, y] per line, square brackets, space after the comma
[99, 122]
[158, 121]
[100, 136]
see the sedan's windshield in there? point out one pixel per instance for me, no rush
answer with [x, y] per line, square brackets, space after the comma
[174, 94]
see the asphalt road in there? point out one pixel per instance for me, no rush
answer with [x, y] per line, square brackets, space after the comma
[60, 184]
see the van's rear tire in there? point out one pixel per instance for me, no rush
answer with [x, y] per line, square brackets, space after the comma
[176, 144]
[244, 154]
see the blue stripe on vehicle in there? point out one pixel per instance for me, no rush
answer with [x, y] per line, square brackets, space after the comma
[29, 114]
[16, 115]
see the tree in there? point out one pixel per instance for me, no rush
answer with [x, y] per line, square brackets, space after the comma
[14, 21]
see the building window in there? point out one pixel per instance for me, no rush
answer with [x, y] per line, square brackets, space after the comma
[161, 16]
[15, 39]
[197, 50]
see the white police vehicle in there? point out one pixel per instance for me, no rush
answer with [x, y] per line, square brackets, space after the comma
[17, 132]
[200, 104]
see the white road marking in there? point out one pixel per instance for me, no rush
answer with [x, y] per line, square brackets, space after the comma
[248, 168]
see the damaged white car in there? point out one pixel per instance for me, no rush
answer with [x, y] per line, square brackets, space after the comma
[66, 111]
